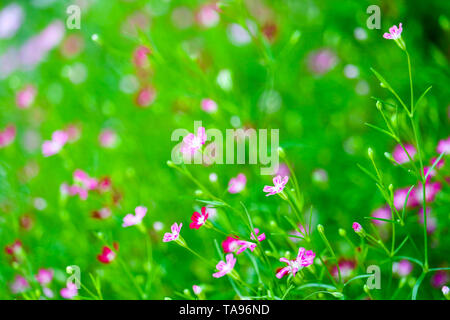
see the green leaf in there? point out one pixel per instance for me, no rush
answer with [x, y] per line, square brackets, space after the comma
[381, 219]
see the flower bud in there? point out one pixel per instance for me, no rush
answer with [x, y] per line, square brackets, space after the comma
[379, 105]
[320, 228]
[370, 153]
[281, 152]
[342, 232]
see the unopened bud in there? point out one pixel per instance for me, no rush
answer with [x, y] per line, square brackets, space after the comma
[342, 232]
[379, 105]
[370, 153]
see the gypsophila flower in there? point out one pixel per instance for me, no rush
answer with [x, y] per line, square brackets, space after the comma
[131, 220]
[192, 143]
[237, 184]
[357, 227]
[225, 267]
[394, 32]
[199, 219]
[278, 186]
[304, 258]
[174, 235]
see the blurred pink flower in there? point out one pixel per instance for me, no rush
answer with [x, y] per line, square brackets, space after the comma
[443, 146]
[400, 155]
[7, 136]
[394, 32]
[431, 190]
[175, 228]
[439, 279]
[304, 259]
[25, 97]
[208, 16]
[199, 219]
[431, 220]
[400, 198]
[19, 285]
[346, 268]
[101, 214]
[382, 213]
[322, 61]
[225, 267]
[108, 138]
[145, 97]
[191, 142]
[140, 56]
[197, 289]
[278, 185]
[237, 184]
[403, 268]
[131, 220]
[51, 147]
[69, 291]
[81, 177]
[209, 105]
[44, 276]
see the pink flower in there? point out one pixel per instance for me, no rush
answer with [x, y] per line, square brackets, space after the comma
[431, 190]
[225, 267]
[431, 220]
[73, 133]
[11, 18]
[81, 177]
[101, 214]
[322, 61]
[445, 290]
[304, 259]
[25, 97]
[131, 220]
[145, 97]
[14, 248]
[237, 184]
[106, 256]
[230, 244]
[175, 228]
[243, 245]
[297, 233]
[283, 170]
[7, 136]
[69, 291]
[278, 185]
[260, 237]
[19, 285]
[107, 138]
[51, 147]
[209, 105]
[197, 289]
[357, 227]
[394, 32]
[439, 165]
[400, 198]
[44, 276]
[383, 213]
[346, 268]
[400, 155]
[198, 219]
[140, 56]
[191, 142]
[443, 146]
[403, 268]
[207, 16]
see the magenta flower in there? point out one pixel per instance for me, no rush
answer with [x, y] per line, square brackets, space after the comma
[44, 276]
[383, 213]
[145, 97]
[209, 105]
[82, 178]
[69, 291]
[191, 142]
[140, 56]
[400, 155]
[394, 32]
[431, 220]
[403, 268]
[443, 146]
[278, 185]
[7, 136]
[346, 268]
[357, 227]
[107, 255]
[237, 184]
[131, 220]
[439, 279]
[260, 237]
[19, 285]
[199, 219]
[230, 244]
[431, 190]
[304, 259]
[25, 97]
[225, 267]
[51, 147]
[174, 235]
